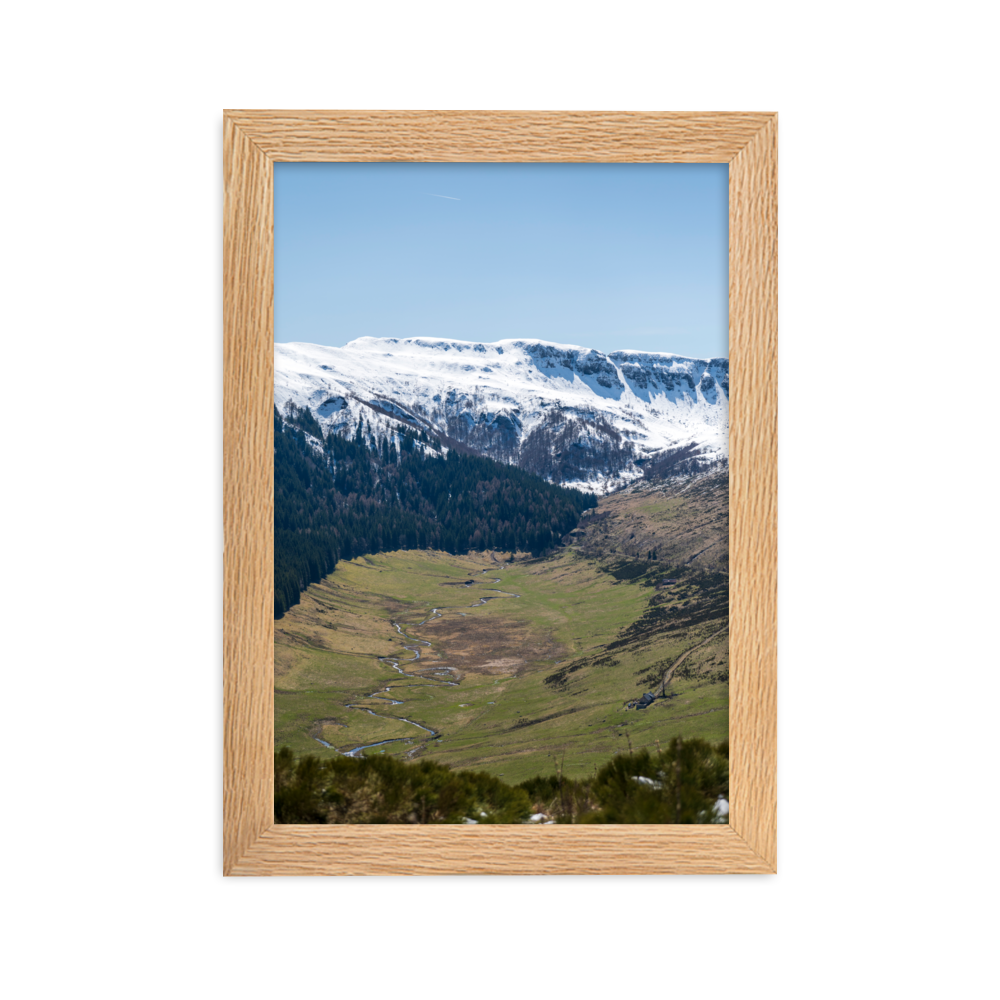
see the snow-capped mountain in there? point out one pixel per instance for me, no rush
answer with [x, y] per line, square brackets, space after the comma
[572, 414]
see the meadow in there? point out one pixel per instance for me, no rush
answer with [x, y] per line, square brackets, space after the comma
[526, 685]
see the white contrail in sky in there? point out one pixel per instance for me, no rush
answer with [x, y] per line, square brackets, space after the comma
[448, 196]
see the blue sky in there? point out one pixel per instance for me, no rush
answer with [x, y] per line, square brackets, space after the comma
[610, 256]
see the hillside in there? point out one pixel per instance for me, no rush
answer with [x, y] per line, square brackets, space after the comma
[340, 497]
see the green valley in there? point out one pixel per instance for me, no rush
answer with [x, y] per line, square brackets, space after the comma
[526, 664]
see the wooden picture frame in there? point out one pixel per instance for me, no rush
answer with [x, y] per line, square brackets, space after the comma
[254, 141]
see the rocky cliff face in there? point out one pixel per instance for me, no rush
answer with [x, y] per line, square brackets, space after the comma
[572, 414]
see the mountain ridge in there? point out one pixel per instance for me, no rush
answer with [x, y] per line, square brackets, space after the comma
[576, 416]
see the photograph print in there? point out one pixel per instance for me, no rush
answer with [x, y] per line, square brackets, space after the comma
[501, 493]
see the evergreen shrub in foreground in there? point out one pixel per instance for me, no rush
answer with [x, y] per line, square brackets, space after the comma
[681, 784]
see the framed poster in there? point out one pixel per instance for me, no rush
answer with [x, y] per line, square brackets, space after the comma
[254, 143]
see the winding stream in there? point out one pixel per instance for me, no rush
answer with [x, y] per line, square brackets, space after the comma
[426, 678]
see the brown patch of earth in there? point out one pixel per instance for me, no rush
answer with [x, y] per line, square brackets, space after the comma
[489, 645]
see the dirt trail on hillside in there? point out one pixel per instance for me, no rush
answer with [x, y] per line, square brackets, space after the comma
[668, 676]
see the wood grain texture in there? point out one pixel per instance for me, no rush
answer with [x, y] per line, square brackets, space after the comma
[499, 850]
[514, 136]
[253, 845]
[753, 456]
[248, 494]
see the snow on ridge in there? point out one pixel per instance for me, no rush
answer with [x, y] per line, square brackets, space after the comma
[364, 343]
[518, 400]
[629, 354]
[377, 343]
[448, 343]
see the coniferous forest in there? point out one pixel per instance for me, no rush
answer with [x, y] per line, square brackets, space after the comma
[361, 494]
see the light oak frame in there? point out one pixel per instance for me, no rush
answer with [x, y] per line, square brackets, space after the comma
[253, 141]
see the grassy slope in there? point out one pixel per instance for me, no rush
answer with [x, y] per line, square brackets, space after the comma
[503, 717]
